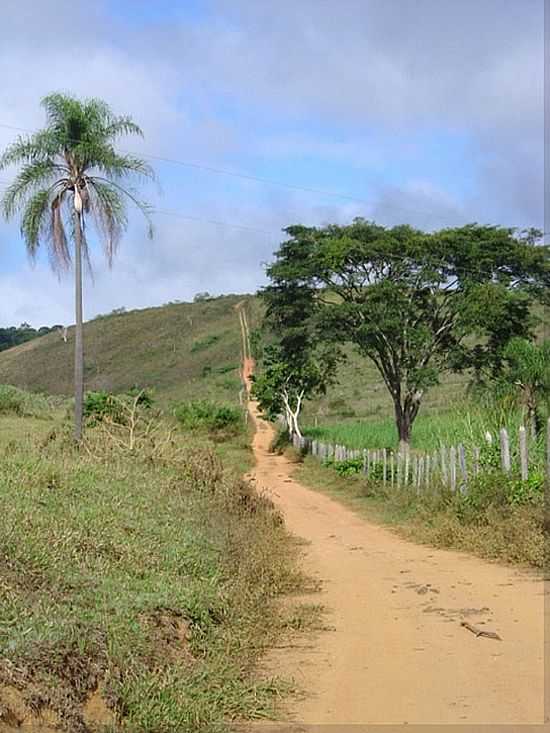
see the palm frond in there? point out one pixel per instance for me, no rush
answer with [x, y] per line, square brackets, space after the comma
[58, 246]
[35, 220]
[40, 146]
[121, 166]
[110, 216]
[31, 177]
[123, 126]
[143, 206]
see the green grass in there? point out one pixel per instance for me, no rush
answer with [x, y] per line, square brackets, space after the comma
[181, 351]
[153, 575]
[467, 424]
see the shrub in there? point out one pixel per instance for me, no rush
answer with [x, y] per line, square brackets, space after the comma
[204, 343]
[101, 405]
[18, 402]
[350, 467]
[206, 415]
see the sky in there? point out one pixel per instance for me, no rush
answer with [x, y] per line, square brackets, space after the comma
[427, 112]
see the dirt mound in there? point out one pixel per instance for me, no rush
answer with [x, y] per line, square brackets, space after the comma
[21, 710]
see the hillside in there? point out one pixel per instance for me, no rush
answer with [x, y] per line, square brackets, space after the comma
[190, 350]
[183, 350]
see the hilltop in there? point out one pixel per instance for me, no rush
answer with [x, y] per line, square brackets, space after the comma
[182, 350]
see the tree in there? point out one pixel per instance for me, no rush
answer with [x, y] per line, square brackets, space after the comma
[285, 383]
[297, 364]
[526, 378]
[70, 173]
[414, 303]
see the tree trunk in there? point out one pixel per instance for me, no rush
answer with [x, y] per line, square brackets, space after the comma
[79, 345]
[403, 423]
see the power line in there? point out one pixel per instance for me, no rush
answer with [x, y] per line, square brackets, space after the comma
[214, 222]
[224, 172]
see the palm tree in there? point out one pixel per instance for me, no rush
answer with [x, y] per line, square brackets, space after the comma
[70, 173]
[528, 371]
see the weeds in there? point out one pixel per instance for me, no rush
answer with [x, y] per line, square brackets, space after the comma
[208, 416]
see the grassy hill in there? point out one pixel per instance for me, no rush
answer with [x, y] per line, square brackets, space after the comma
[191, 350]
[182, 350]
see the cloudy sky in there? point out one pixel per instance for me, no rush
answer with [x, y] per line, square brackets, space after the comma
[421, 111]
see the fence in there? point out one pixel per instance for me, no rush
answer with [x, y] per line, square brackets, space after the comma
[452, 466]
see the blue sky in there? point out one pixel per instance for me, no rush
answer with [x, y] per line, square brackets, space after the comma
[429, 112]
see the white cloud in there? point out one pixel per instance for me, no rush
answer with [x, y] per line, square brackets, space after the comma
[367, 80]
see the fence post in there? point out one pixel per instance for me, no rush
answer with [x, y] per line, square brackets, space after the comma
[428, 470]
[392, 462]
[452, 466]
[523, 453]
[463, 470]
[384, 466]
[399, 468]
[407, 462]
[505, 451]
[548, 451]
[477, 454]
[444, 476]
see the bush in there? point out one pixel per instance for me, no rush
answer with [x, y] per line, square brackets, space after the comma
[101, 405]
[350, 467]
[18, 402]
[204, 343]
[206, 415]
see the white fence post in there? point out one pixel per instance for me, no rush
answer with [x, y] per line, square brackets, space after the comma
[505, 451]
[452, 467]
[523, 453]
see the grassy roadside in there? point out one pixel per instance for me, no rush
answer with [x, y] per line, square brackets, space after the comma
[138, 589]
[485, 524]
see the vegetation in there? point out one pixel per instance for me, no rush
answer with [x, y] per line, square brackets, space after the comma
[150, 347]
[209, 416]
[468, 425]
[13, 335]
[296, 365]
[71, 173]
[525, 381]
[101, 406]
[15, 401]
[415, 304]
[117, 616]
[287, 378]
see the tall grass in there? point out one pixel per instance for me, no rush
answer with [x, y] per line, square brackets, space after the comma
[468, 425]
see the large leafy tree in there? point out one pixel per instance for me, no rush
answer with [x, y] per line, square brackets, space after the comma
[70, 174]
[414, 303]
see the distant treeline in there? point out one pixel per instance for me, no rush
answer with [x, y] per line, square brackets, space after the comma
[15, 335]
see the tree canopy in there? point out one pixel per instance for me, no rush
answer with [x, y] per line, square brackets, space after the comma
[72, 164]
[415, 303]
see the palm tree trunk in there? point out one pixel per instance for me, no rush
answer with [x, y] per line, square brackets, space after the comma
[78, 343]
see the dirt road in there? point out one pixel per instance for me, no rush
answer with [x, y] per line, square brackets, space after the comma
[398, 652]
